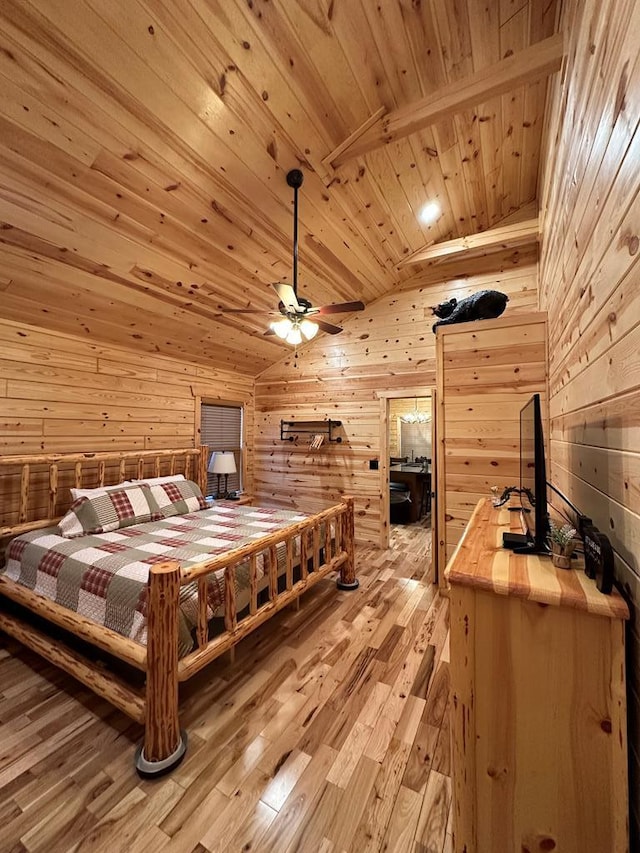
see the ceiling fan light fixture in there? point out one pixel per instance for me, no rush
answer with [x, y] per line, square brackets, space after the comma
[295, 336]
[309, 329]
[282, 328]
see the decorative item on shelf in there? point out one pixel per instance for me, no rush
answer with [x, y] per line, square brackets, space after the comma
[511, 490]
[563, 542]
[598, 558]
[483, 305]
[222, 462]
[289, 430]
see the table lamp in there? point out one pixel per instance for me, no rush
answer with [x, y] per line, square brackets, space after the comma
[222, 462]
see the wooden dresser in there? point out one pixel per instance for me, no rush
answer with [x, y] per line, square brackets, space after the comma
[538, 702]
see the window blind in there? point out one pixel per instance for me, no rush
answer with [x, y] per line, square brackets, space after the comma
[221, 429]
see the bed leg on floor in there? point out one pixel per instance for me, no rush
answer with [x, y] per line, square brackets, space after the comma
[348, 579]
[232, 654]
[164, 743]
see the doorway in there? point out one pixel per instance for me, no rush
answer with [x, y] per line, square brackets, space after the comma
[407, 466]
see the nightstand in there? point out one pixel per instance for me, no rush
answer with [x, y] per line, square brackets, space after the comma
[245, 500]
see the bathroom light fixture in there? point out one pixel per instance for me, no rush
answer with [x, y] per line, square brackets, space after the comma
[416, 416]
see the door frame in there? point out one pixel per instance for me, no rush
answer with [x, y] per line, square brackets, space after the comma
[383, 462]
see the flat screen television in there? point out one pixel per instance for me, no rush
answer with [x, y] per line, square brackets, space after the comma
[533, 479]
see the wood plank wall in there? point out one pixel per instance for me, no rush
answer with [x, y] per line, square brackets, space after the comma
[589, 279]
[387, 347]
[60, 393]
[488, 374]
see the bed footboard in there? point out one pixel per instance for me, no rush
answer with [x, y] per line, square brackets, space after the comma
[164, 743]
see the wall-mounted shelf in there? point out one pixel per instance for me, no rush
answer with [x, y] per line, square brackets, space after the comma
[289, 430]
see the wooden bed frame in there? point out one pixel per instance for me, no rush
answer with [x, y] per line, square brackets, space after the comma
[156, 705]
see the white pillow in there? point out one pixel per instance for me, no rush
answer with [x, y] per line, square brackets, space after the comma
[158, 481]
[100, 490]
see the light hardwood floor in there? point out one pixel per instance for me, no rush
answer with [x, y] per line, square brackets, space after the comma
[329, 733]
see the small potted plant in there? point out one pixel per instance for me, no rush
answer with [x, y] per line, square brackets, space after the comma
[563, 542]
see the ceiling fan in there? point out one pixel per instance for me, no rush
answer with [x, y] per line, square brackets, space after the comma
[295, 323]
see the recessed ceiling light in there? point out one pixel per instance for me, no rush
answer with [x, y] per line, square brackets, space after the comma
[430, 212]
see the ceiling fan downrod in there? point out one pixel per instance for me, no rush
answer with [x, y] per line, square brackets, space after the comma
[295, 179]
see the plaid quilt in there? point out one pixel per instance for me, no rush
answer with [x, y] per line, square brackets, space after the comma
[104, 576]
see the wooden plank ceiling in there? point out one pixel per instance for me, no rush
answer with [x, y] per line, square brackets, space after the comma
[144, 146]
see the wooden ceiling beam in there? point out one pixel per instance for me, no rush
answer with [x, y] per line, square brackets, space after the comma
[527, 66]
[504, 237]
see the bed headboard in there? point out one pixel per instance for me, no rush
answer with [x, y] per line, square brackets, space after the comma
[34, 490]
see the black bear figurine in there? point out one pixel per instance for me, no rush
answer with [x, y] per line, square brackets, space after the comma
[483, 305]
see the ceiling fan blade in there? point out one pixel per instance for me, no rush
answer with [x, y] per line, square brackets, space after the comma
[328, 327]
[341, 306]
[287, 296]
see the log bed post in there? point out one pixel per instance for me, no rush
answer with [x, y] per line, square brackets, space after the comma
[202, 468]
[348, 579]
[164, 743]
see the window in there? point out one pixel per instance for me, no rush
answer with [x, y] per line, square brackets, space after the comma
[221, 429]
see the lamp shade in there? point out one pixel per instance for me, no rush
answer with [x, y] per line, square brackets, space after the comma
[222, 462]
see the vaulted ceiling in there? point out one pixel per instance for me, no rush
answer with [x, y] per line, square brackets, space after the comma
[144, 148]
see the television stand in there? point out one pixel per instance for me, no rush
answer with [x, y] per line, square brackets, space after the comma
[538, 701]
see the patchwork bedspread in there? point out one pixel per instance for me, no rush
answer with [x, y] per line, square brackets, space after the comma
[104, 576]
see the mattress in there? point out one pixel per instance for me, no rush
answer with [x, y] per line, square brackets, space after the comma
[103, 577]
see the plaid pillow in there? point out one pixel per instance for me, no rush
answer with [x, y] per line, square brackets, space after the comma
[178, 498]
[110, 511]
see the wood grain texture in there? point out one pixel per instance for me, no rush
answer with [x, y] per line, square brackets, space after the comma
[530, 65]
[162, 727]
[247, 779]
[588, 282]
[33, 469]
[486, 373]
[383, 350]
[145, 147]
[112, 688]
[481, 562]
[505, 236]
[539, 751]
[70, 394]
[159, 658]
